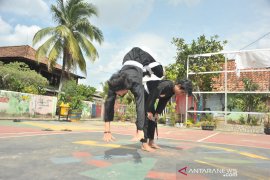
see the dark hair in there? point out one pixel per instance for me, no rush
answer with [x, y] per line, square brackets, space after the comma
[186, 85]
[119, 81]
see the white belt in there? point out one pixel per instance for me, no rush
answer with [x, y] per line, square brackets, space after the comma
[146, 88]
[153, 64]
[139, 65]
[134, 63]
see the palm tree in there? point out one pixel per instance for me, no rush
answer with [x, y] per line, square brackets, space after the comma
[71, 38]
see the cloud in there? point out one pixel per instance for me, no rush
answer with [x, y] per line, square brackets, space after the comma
[153, 44]
[5, 27]
[30, 8]
[252, 34]
[19, 35]
[122, 13]
[186, 2]
[111, 56]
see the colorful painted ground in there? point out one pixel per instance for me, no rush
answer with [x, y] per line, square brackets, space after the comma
[64, 150]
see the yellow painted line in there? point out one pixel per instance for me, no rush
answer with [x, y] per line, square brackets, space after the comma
[95, 143]
[253, 155]
[220, 148]
[60, 127]
[247, 174]
[238, 152]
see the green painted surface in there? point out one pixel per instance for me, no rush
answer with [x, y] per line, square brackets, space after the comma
[123, 171]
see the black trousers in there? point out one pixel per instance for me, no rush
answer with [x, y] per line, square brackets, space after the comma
[149, 130]
[149, 125]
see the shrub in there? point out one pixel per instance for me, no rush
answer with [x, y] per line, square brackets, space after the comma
[242, 120]
[17, 76]
[161, 120]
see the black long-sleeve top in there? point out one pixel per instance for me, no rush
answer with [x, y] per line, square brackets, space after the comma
[139, 55]
[162, 90]
[135, 75]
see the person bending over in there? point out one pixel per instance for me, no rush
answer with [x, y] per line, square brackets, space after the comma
[162, 90]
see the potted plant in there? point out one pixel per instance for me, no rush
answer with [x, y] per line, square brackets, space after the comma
[208, 123]
[72, 95]
[76, 107]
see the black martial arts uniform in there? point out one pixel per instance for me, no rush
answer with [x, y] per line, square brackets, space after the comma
[133, 66]
[162, 90]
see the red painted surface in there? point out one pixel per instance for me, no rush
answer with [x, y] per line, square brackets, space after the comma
[98, 110]
[252, 140]
[181, 103]
[161, 175]
[170, 176]
[249, 140]
[81, 154]
[98, 163]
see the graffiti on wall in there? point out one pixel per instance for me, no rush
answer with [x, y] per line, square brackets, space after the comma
[14, 103]
[42, 105]
[26, 105]
[87, 109]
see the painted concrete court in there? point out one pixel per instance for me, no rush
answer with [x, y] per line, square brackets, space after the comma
[64, 150]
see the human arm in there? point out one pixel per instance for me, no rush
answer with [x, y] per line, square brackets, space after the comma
[108, 116]
[138, 92]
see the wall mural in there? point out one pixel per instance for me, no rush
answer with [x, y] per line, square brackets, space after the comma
[18, 104]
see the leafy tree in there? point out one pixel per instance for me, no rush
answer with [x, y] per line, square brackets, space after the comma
[71, 38]
[178, 70]
[105, 88]
[249, 102]
[74, 94]
[17, 76]
[201, 64]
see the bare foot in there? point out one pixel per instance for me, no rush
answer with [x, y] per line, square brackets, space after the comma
[155, 146]
[146, 147]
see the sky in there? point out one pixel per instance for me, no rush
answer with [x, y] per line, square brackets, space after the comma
[149, 24]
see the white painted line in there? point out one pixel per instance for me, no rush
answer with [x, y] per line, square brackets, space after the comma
[200, 140]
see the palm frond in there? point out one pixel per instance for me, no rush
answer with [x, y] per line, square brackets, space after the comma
[45, 47]
[98, 35]
[82, 10]
[87, 47]
[55, 53]
[42, 34]
[83, 26]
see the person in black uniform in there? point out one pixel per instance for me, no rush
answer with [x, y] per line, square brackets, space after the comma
[136, 64]
[162, 90]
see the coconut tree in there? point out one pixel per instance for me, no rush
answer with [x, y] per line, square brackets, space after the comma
[71, 39]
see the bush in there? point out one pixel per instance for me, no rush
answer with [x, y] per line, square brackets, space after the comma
[254, 120]
[242, 120]
[162, 120]
[74, 94]
[230, 121]
[17, 76]
[189, 123]
[198, 124]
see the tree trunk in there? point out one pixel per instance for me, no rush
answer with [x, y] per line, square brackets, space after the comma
[62, 78]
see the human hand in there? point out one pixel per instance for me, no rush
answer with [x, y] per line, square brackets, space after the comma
[150, 116]
[108, 137]
[138, 136]
[156, 116]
